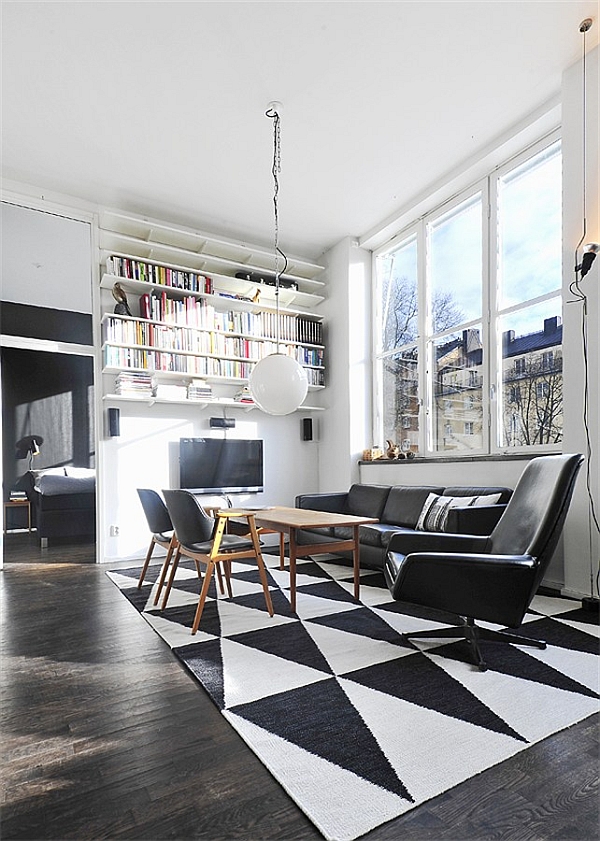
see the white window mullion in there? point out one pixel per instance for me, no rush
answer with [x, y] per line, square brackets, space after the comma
[425, 413]
[494, 344]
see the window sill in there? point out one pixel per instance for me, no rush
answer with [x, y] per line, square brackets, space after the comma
[451, 459]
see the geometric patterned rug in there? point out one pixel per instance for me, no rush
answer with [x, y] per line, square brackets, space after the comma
[358, 724]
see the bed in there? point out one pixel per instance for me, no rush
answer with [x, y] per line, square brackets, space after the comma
[63, 501]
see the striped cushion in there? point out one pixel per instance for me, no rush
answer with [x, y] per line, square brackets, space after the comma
[434, 515]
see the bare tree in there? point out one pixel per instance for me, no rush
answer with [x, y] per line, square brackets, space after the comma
[400, 325]
[534, 403]
[400, 330]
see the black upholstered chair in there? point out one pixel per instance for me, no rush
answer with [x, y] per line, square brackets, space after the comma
[204, 539]
[159, 523]
[493, 578]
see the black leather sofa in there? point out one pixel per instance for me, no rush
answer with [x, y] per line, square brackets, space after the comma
[398, 509]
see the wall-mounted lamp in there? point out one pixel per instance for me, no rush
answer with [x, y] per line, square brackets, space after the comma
[582, 267]
[591, 249]
[28, 447]
[589, 255]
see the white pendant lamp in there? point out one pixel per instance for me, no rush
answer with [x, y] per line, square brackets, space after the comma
[278, 382]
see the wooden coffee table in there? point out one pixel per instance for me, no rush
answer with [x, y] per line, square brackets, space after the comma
[289, 520]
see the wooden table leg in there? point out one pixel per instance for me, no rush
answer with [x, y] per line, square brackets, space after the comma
[293, 569]
[356, 559]
[281, 549]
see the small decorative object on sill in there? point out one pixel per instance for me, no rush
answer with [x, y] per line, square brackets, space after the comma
[376, 453]
[393, 450]
[410, 454]
[367, 455]
[121, 307]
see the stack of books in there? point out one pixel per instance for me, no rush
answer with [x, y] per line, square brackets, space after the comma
[199, 390]
[135, 383]
[243, 396]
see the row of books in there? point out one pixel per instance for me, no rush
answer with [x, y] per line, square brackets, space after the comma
[166, 338]
[200, 314]
[148, 360]
[131, 269]
[140, 361]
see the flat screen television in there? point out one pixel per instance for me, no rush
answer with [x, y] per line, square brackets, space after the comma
[221, 465]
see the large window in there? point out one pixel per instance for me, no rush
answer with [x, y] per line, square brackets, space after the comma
[468, 318]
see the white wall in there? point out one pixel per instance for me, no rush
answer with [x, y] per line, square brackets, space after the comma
[348, 419]
[145, 455]
[581, 563]
[45, 259]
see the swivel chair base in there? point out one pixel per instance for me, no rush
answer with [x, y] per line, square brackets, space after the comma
[472, 633]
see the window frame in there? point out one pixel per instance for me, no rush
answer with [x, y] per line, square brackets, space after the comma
[491, 369]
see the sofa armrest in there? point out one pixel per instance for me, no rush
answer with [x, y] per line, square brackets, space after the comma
[474, 519]
[408, 542]
[333, 502]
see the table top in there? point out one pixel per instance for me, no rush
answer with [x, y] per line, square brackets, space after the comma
[302, 517]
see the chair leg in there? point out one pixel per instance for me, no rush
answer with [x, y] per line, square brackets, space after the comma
[203, 595]
[261, 566]
[146, 562]
[227, 571]
[473, 633]
[220, 580]
[171, 577]
[469, 631]
[505, 636]
[164, 569]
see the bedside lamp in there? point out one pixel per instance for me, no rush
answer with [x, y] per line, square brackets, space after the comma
[29, 446]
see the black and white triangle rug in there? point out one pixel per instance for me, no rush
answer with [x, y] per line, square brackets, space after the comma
[355, 722]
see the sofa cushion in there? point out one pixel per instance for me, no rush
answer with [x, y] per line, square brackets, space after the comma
[405, 503]
[371, 534]
[321, 532]
[475, 490]
[434, 514]
[366, 500]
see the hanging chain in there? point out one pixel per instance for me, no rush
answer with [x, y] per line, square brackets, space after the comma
[276, 169]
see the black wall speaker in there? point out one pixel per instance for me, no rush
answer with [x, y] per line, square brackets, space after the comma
[306, 429]
[114, 423]
[222, 423]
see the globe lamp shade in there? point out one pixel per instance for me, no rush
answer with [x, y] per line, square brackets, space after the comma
[278, 384]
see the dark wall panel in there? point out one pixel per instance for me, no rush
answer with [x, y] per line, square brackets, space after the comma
[45, 323]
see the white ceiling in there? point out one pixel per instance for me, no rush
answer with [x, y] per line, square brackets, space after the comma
[158, 107]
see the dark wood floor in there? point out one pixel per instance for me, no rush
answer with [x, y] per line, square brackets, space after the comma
[105, 736]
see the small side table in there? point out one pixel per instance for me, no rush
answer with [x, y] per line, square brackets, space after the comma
[17, 503]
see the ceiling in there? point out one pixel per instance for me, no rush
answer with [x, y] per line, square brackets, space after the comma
[159, 107]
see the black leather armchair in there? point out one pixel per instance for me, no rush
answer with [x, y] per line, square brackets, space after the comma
[493, 578]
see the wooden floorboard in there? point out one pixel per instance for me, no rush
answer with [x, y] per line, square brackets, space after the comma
[106, 736]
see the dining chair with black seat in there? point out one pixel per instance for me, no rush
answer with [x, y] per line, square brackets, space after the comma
[159, 523]
[492, 579]
[204, 539]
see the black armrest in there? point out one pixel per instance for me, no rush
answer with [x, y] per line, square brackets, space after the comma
[334, 502]
[494, 588]
[474, 519]
[406, 542]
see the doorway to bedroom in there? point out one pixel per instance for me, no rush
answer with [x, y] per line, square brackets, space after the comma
[49, 457]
